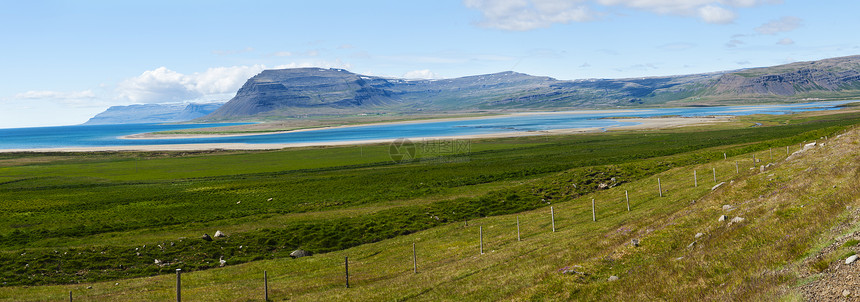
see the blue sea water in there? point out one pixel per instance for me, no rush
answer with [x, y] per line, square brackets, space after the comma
[109, 135]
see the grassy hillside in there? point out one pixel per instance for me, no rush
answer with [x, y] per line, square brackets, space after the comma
[85, 218]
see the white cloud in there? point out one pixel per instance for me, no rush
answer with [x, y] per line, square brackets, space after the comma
[420, 74]
[163, 85]
[784, 24]
[785, 41]
[717, 15]
[522, 15]
[56, 95]
[532, 14]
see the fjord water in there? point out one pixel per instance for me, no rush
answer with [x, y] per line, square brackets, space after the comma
[109, 135]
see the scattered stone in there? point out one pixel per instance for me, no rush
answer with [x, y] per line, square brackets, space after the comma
[635, 242]
[737, 220]
[219, 234]
[699, 235]
[222, 261]
[300, 253]
[846, 293]
[851, 259]
[728, 207]
[207, 237]
[761, 169]
[679, 258]
[691, 245]
[723, 218]
[158, 262]
[89, 287]
[270, 199]
[717, 186]
[116, 284]
[238, 202]
[613, 278]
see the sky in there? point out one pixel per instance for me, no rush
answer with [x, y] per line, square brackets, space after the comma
[62, 62]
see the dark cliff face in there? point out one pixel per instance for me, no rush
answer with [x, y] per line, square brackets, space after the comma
[787, 83]
[305, 88]
[304, 91]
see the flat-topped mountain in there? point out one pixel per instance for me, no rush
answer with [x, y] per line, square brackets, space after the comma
[153, 113]
[317, 91]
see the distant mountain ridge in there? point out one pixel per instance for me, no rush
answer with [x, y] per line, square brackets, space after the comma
[316, 91]
[153, 113]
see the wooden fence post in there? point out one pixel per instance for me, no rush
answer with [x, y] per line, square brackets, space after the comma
[715, 174]
[724, 156]
[178, 285]
[265, 286]
[593, 211]
[627, 197]
[659, 187]
[481, 234]
[552, 215]
[346, 269]
[414, 260]
[695, 179]
[518, 227]
[737, 170]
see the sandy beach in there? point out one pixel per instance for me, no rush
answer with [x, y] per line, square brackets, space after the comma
[643, 124]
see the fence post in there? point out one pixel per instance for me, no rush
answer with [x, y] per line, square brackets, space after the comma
[659, 187]
[346, 269]
[518, 227]
[695, 179]
[178, 285]
[552, 216]
[786, 150]
[265, 286]
[715, 175]
[593, 211]
[724, 156]
[70, 296]
[627, 197]
[737, 170]
[414, 260]
[770, 150]
[481, 234]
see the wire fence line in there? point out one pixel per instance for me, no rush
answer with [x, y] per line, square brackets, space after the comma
[725, 170]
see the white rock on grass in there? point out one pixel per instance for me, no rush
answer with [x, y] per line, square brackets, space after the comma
[698, 235]
[613, 278]
[219, 234]
[737, 220]
[723, 218]
[851, 259]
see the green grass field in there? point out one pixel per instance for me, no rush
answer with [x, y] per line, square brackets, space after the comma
[72, 219]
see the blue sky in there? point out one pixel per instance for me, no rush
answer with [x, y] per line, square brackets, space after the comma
[64, 61]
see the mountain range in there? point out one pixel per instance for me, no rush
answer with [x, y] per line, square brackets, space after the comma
[306, 92]
[153, 113]
[314, 91]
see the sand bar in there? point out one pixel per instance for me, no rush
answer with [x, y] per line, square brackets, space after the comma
[643, 124]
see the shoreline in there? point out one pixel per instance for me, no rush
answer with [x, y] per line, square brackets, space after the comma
[642, 124]
[152, 135]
